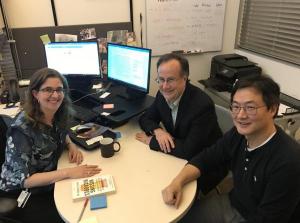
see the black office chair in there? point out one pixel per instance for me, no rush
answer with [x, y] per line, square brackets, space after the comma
[7, 205]
[13, 95]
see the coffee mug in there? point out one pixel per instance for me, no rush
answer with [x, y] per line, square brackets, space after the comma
[107, 147]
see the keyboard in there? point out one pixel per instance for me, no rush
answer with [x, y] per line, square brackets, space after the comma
[84, 114]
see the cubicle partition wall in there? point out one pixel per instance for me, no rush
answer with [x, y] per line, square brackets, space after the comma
[30, 48]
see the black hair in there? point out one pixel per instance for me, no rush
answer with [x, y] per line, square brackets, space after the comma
[32, 107]
[264, 84]
[184, 64]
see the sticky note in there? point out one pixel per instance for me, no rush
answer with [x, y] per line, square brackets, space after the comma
[98, 201]
[97, 86]
[105, 113]
[74, 127]
[104, 95]
[45, 39]
[108, 106]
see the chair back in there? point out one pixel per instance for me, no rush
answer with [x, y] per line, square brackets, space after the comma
[5, 122]
[224, 118]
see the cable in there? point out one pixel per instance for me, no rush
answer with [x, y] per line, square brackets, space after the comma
[97, 92]
[83, 96]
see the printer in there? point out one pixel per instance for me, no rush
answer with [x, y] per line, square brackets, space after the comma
[226, 68]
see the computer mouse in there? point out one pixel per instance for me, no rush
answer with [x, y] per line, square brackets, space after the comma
[83, 128]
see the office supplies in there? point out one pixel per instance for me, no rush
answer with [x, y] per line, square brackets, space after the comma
[105, 113]
[104, 95]
[108, 106]
[90, 140]
[98, 201]
[82, 210]
[81, 129]
[83, 188]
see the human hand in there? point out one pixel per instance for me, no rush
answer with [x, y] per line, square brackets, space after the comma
[172, 194]
[164, 139]
[83, 171]
[75, 155]
[142, 137]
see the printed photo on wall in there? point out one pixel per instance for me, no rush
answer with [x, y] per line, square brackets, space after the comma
[117, 36]
[131, 39]
[89, 33]
[102, 43]
[65, 37]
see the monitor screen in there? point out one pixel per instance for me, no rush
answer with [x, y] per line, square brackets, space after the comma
[73, 57]
[129, 66]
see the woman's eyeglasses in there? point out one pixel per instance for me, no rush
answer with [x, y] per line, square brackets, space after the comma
[50, 90]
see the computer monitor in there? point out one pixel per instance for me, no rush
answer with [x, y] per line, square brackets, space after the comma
[129, 66]
[73, 58]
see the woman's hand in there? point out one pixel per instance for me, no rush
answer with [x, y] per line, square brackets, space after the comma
[83, 171]
[75, 155]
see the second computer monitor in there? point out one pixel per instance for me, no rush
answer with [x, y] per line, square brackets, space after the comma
[129, 66]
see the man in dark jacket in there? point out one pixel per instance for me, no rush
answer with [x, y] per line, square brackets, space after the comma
[187, 114]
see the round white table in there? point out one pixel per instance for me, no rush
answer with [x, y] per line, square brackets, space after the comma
[139, 173]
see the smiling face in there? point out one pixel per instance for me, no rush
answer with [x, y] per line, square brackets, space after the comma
[50, 102]
[171, 82]
[257, 125]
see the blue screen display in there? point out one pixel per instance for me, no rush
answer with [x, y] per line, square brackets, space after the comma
[129, 66]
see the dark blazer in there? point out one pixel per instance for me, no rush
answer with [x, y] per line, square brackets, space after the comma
[196, 124]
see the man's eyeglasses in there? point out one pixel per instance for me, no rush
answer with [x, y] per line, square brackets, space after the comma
[249, 109]
[50, 90]
[170, 81]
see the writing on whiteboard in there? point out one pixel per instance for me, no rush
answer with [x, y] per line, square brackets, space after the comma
[184, 25]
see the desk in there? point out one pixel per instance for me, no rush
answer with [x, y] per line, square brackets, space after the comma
[123, 110]
[9, 111]
[140, 174]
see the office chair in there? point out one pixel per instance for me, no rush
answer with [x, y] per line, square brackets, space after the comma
[7, 205]
[225, 123]
[224, 118]
[13, 95]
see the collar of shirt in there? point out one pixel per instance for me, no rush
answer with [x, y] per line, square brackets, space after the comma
[174, 109]
[174, 104]
[267, 140]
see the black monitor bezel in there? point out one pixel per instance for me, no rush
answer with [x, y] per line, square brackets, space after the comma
[126, 84]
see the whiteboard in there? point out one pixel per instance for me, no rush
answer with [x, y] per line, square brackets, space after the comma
[184, 25]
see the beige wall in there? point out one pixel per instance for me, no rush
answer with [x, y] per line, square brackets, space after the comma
[288, 76]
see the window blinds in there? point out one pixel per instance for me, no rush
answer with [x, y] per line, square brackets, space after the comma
[271, 27]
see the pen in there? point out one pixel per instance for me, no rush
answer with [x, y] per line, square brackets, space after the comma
[82, 211]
